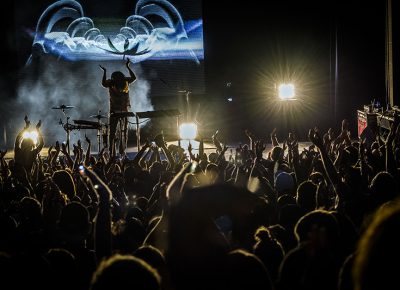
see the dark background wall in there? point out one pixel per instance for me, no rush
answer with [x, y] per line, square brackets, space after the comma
[249, 44]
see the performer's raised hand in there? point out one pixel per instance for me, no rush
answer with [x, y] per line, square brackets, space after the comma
[102, 67]
[128, 62]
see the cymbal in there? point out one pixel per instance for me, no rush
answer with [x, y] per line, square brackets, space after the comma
[99, 116]
[63, 107]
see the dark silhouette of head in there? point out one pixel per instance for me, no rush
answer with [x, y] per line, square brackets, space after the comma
[30, 213]
[65, 183]
[269, 251]
[118, 79]
[125, 272]
[306, 196]
[152, 256]
[74, 221]
[27, 144]
[156, 259]
[378, 251]
[132, 236]
[383, 188]
[319, 227]
[277, 153]
[64, 272]
[246, 271]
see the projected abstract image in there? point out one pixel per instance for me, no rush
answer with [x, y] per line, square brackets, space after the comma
[62, 43]
[155, 31]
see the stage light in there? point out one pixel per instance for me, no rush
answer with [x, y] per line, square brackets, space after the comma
[33, 135]
[188, 131]
[286, 92]
[230, 99]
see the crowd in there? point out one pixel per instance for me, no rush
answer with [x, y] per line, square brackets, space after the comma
[324, 217]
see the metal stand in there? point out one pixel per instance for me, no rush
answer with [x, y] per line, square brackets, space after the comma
[122, 136]
[99, 130]
[137, 132]
[67, 125]
[67, 129]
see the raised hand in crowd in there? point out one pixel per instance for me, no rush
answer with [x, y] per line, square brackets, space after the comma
[27, 122]
[252, 139]
[259, 149]
[216, 141]
[3, 153]
[103, 219]
[87, 155]
[38, 125]
[53, 201]
[160, 142]
[315, 138]
[64, 150]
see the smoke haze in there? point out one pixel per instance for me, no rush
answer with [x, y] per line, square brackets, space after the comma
[51, 83]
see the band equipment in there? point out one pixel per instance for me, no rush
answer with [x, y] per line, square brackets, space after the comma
[154, 114]
[102, 129]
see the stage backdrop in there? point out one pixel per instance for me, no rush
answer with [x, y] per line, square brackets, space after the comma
[62, 43]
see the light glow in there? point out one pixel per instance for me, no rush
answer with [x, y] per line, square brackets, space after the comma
[286, 92]
[188, 131]
[33, 135]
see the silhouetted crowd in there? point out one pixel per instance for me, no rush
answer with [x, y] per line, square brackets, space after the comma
[323, 217]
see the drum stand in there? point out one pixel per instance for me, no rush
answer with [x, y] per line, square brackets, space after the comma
[101, 131]
[67, 129]
[66, 126]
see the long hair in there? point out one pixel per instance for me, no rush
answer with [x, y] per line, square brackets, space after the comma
[119, 81]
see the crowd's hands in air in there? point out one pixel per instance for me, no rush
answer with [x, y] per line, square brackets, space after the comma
[315, 137]
[27, 122]
[3, 153]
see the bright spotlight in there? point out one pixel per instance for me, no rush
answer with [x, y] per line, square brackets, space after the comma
[33, 135]
[188, 131]
[286, 92]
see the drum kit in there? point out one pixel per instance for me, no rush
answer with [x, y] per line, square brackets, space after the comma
[101, 127]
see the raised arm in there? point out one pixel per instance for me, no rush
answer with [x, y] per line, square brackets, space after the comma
[105, 82]
[103, 236]
[330, 169]
[216, 141]
[20, 133]
[159, 139]
[87, 156]
[274, 139]
[132, 76]
[40, 139]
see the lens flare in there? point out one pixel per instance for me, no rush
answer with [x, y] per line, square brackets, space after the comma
[286, 92]
[33, 135]
[188, 131]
